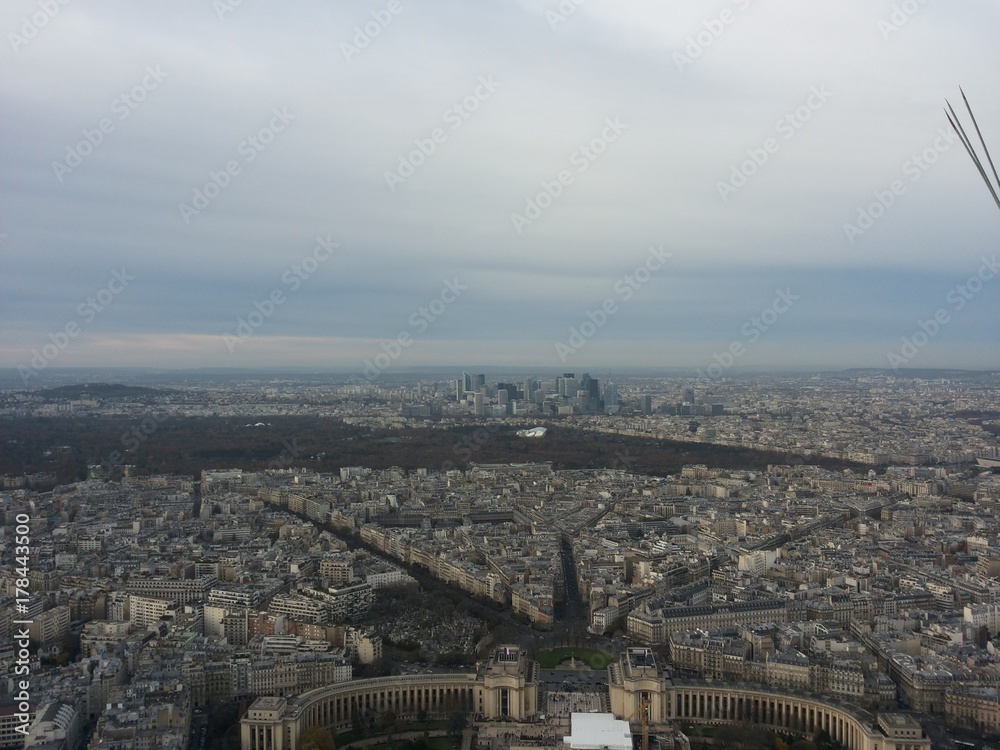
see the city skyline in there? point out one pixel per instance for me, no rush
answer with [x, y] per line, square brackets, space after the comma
[527, 185]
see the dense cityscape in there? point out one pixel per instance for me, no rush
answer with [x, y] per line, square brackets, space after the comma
[522, 375]
[832, 580]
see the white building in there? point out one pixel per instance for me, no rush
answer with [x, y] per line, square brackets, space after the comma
[56, 725]
[598, 732]
[979, 615]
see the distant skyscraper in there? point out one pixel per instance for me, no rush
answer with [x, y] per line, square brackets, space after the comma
[502, 394]
[611, 397]
[566, 385]
[646, 404]
[478, 381]
[467, 383]
[593, 390]
[527, 392]
[478, 404]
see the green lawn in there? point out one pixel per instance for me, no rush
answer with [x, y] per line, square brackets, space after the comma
[591, 657]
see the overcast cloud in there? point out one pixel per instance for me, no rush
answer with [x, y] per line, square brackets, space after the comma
[528, 151]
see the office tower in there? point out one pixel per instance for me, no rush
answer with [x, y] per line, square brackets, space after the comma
[646, 404]
[527, 391]
[611, 397]
[688, 396]
[478, 382]
[502, 394]
[593, 389]
[466, 383]
[511, 389]
[566, 385]
[478, 404]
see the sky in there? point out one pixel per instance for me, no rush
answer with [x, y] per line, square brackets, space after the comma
[585, 184]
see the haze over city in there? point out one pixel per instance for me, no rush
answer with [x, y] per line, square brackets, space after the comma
[512, 375]
[199, 184]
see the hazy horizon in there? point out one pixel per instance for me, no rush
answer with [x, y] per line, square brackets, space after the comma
[575, 185]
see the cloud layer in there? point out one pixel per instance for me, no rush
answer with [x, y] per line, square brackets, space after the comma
[531, 150]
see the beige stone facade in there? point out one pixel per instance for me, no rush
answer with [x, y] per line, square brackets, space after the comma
[638, 678]
[505, 687]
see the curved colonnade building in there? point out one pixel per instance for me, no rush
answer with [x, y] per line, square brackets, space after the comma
[506, 687]
[637, 679]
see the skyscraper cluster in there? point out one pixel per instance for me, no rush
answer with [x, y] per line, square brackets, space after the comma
[564, 395]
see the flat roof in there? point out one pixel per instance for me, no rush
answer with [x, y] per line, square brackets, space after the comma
[598, 731]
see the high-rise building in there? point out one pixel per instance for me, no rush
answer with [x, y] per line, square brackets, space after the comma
[646, 404]
[478, 404]
[466, 383]
[511, 389]
[502, 394]
[528, 390]
[591, 403]
[566, 385]
[611, 397]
